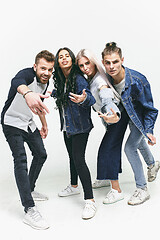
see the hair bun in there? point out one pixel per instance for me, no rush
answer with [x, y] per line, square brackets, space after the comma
[111, 44]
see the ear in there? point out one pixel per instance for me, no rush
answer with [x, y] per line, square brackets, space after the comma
[35, 67]
[122, 59]
[102, 61]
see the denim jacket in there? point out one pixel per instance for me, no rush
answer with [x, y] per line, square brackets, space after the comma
[78, 116]
[138, 102]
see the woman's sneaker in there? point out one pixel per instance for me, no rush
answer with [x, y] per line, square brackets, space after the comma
[34, 219]
[152, 171]
[89, 209]
[101, 183]
[113, 196]
[139, 196]
[38, 196]
[68, 191]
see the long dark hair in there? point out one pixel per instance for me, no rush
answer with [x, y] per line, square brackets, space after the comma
[59, 79]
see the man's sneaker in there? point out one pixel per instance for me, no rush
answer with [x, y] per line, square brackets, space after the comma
[113, 196]
[38, 196]
[68, 191]
[139, 196]
[152, 171]
[101, 183]
[34, 219]
[89, 209]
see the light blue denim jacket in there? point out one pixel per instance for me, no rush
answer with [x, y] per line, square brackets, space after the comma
[138, 102]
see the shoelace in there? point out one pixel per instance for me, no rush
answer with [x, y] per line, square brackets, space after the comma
[35, 215]
[138, 193]
[110, 194]
[88, 206]
[68, 189]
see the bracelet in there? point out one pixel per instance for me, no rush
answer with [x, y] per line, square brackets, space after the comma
[26, 93]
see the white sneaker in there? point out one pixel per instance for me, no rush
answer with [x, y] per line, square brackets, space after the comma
[152, 171]
[89, 209]
[113, 196]
[34, 219]
[101, 183]
[139, 196]
[38, 196]
[68, 191]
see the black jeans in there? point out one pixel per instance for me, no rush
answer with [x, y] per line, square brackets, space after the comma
[25, 182]
[76, 146]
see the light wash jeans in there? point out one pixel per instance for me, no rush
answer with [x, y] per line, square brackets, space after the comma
[136, 141]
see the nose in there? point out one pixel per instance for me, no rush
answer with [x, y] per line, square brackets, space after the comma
[46, 72]
[85, 67]
[111, 65]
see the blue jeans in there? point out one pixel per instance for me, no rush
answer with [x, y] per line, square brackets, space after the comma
[135, 142]
[25, 181]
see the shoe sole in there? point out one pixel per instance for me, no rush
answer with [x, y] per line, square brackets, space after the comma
[34, 227]
[84, 218]
[40, 199]
[68, 195]
[101, 187]
[114, 202]
[131, 204]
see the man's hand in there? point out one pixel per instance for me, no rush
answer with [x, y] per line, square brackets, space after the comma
[78, 98]
[35, 103]
[152, 138]
[109, 118]
[44, 132]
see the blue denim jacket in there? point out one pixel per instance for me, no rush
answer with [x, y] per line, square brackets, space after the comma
[138, 102]
[78, 116]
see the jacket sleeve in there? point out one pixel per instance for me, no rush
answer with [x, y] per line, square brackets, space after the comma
[83, 84]
[150, 112]
[107, 99]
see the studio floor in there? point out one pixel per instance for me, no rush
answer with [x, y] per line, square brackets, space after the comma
[114, 221]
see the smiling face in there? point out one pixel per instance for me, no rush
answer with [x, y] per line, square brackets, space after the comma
[113, 64]
[64, 60]
[87, 67]
[43, 70]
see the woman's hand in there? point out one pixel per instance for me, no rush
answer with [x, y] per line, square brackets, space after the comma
[78, 98]
[113, 118]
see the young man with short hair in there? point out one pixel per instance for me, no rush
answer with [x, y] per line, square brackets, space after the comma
[137, 109]
[19, 127]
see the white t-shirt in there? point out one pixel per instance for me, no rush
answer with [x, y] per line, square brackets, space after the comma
[119, 87]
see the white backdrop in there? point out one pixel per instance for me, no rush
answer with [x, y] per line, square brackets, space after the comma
[28, 27]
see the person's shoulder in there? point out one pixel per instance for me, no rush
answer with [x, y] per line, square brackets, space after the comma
[98, 78]
[80, 77]
[135, 73]
[26, 71]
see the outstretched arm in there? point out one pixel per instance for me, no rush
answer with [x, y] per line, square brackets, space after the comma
[33, 100]
[107, 100]
[78, 98]
[44, 129]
